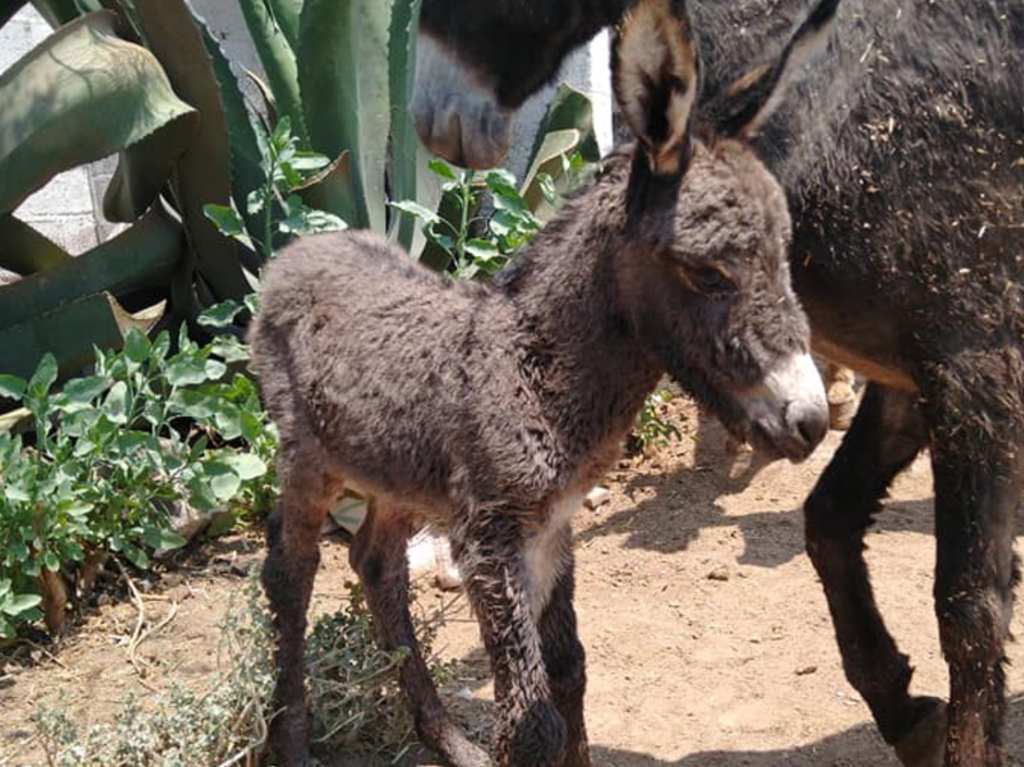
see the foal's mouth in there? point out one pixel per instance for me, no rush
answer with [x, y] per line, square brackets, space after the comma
[787, 413]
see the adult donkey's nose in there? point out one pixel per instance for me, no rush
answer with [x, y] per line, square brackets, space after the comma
[457, 117]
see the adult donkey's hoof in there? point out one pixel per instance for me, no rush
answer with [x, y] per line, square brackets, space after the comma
[925, 746]
[842, 397]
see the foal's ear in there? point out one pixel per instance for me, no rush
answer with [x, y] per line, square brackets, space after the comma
[656, 72]
[750, 101]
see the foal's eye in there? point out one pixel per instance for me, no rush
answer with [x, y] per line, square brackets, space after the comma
[711, 281]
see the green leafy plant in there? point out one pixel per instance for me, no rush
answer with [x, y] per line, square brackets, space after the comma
[146, 80]
[475, 245]
[114, 451]
[63, 108]
[16, 608]
[282, 212]
[652, 428]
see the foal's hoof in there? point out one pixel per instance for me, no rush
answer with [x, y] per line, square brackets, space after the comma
[459, 751]
[925, 746]
[450, 742]
[538, 739]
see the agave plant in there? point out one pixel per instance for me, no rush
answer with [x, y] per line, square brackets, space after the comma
[90, 90]
[146, 80]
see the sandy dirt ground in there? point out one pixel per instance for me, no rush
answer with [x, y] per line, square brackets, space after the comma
[709, 643]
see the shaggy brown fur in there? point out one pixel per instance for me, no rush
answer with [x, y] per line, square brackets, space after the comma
[490, 411]
[901, 155]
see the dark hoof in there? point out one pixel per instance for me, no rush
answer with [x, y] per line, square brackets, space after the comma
[289, 742]
[440, 734]
[580, 757]
[925, 746]
[296, 758]
[539, 738]
[293, 761]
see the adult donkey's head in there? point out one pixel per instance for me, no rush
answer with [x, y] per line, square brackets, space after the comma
[478, 60]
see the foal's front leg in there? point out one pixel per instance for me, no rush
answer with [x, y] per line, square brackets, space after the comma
[378, 555]
[565, 658]
[488, 546]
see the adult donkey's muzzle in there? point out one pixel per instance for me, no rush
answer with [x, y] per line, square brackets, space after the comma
[457, 116]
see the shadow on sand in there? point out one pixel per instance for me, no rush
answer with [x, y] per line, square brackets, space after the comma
[687, 500]
[859, 746]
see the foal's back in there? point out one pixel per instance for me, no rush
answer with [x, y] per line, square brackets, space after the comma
[371, 355]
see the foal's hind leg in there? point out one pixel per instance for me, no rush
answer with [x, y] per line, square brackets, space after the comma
[378, 554]
[976, 411]
[293, 538]
[886, 434]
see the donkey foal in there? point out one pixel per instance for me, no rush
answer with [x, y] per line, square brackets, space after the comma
[490, 411]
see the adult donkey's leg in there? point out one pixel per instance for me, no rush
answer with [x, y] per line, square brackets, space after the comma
[565, 660]
[885, 436]
[976, 412]
[489, 548]
[293, 538]
[378, 555]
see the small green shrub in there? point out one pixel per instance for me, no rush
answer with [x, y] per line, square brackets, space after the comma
[476, 247]
[287, 169]
[115, 450]
[652, 428]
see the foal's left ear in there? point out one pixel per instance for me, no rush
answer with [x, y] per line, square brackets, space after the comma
[656, 73]
[751, 100]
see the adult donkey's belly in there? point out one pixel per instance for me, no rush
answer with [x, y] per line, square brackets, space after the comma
[854, 326]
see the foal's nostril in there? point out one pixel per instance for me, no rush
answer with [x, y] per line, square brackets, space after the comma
[810, 421]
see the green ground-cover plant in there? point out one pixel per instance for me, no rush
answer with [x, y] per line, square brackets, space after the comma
[113, 451]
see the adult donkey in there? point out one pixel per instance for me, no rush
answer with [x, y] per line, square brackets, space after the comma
[491, 409]
[903, 159]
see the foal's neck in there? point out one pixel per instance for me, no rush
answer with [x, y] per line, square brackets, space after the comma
[581, 352]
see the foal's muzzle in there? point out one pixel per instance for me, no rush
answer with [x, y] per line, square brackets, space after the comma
[788, 411]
